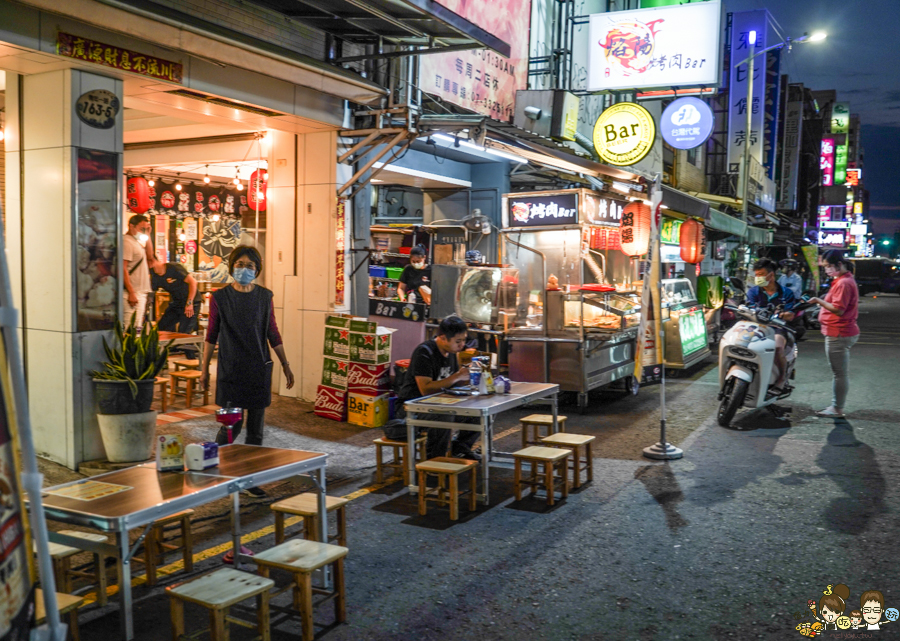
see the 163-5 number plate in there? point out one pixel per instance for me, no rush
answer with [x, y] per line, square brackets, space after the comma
[98, 108]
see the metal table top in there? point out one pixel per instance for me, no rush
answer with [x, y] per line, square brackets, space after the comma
[520, 394]
[152, 494]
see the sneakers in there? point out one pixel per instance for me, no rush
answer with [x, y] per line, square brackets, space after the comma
[256, 492]
[830, 412]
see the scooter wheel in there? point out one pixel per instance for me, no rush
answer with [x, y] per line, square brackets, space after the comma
[735, 391]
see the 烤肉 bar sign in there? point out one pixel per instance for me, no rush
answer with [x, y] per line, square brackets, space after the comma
[541, 211]
[109, 56]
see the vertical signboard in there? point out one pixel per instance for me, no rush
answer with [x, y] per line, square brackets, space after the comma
[826, 162]
[480, 79]
[340, 246]
[840, 159]
[743, 23]
[96, 241]
[840, 118]
[17, 604]
[790, 160]
[771, 115]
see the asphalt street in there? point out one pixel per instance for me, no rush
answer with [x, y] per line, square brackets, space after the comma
[729, 542]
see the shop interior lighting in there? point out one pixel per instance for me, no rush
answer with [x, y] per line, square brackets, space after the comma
[182, 237]
[178, 186]
[266, 176]
[214, 218]
[2, 134]
[237, 175]
[206, 177]
[150, 181]
[240, 187]
[625, 188]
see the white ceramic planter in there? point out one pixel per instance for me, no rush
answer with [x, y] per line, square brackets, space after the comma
[128, 437]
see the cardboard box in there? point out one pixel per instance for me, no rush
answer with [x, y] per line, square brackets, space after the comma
[353, 323]
[372, 348]
[335, 372]
[367, 411]
[337, 342]
[331, 403]
[369, 380]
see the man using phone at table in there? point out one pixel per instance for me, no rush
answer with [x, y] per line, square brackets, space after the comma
[434, 368]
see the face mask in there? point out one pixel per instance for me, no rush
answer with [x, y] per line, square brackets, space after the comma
[418, 265]
[244, 275]
[761, 280]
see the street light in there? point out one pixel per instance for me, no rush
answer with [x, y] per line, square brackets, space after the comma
[885, 242]
[819, 36]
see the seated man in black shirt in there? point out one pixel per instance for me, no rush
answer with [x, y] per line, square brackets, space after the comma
[184, 305]
[433, 368]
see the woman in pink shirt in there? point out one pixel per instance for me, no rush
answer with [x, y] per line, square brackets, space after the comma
[838, 315]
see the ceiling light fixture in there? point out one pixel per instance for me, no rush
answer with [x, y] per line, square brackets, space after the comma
[150, 181]
[206, 177]
[237, 176]
[178, 186]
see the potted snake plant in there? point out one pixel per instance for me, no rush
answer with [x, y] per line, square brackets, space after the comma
[124, 392]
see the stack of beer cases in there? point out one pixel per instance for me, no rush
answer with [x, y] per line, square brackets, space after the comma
[356, 374]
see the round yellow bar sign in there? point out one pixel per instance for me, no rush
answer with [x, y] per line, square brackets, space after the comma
[624, 134]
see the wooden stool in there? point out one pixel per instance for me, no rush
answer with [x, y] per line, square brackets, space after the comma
[551, 458]
[65, 575]
[574, 442]
[189, 376]
[537, 421]
[446, 469]
[66, 603]
[301, 558]
[163, 382]
[155, 546]
[218, 591]
[401, 454]
[307, 506]
[187, 364]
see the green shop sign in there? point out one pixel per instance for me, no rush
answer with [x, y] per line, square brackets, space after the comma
[671, 231]
[692, 328]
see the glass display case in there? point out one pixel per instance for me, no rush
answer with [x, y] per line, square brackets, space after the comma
[684, 323]
[595, 312]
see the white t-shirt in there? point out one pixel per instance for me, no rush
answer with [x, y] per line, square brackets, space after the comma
[133, 252]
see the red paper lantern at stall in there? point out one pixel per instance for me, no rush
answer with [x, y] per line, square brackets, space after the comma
[256, 193]
[692, 241]
[138, 194]
[634, 229]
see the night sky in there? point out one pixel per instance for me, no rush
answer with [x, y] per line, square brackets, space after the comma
[860, 59]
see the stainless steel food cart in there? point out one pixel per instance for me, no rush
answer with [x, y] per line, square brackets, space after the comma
[578, 307]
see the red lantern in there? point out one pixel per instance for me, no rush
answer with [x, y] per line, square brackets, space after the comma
[634, 229]
[256, 192]
[692, 240]
[138, 194]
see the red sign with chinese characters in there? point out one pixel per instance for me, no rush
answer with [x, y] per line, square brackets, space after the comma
[852, 179]
[340, 242]
[109, 56]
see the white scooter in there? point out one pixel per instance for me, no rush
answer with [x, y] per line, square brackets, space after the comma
[747, 369]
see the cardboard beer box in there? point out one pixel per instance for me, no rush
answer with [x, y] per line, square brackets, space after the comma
[337, 342]
[335, 372]
[367, 411]
[363, 326]
[331, 403]
[353, 323]
[373, 348]
[369, 380]
[341, 321]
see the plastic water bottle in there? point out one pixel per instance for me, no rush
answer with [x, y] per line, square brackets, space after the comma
[475, 375]
[411, 298]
